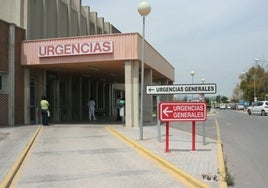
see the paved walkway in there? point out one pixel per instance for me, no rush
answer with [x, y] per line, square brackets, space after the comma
[195, 167]
[14, 143]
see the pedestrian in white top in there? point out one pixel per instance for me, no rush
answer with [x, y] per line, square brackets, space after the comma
[91, 109]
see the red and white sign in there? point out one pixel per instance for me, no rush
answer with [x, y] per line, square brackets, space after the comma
[85, 48]
[182, 111]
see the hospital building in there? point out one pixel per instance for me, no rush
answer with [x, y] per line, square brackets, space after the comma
[68, 53]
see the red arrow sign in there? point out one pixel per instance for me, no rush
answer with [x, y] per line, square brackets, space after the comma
[182, 111]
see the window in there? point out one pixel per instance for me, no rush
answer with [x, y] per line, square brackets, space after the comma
[260, 103]
[2, 82]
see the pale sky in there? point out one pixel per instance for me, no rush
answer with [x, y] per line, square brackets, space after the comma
[217, 39]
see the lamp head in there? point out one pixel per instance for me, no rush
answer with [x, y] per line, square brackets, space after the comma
[144, 8]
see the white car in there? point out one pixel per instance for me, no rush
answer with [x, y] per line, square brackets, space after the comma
[222, 106]
[260, 108]
[240, 107]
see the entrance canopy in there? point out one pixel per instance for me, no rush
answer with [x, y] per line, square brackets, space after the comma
[96, 56]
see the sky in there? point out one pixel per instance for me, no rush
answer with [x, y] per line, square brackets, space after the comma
[217, 39]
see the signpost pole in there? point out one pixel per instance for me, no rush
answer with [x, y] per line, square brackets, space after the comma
[193, 135]
[182, 111]
[167, 136]
[204, 125]
[158, 121]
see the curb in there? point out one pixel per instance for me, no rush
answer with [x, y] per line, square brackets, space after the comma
[187, 178]
[15, 167]
[222, 172]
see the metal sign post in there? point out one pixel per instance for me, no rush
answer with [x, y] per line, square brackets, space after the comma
[204, 124]
[167, 137]
[182, 111]
[193, 135]
[158, 122]
[204, 88]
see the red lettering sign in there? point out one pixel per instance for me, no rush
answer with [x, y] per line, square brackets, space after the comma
[86, 48]
[182, 111]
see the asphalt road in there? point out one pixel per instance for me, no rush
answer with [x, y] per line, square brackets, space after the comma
[245, 144]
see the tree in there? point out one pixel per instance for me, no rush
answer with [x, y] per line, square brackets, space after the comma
[224, 99]
[221, 99]
[237, 94]
[254, 83]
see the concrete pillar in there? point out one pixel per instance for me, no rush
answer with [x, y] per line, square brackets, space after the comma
[78, 5]
[44, 31]
[26, 96]
[132, 93]
[135, 93]
[58, 19]
[11, 75]
[69, 19]
[148, 100]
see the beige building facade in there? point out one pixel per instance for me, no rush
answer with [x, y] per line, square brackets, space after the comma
[70, 54]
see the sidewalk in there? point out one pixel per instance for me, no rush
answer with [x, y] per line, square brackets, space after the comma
[14, 144]
[194, 168]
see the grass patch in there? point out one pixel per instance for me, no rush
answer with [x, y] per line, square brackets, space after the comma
[229, 178]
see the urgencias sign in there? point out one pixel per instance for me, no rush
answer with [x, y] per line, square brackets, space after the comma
[182, 111]
[85, 48]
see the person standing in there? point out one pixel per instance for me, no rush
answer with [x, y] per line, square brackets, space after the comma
[91, 109]
[118, 108]
[122, 109]
[44, 110]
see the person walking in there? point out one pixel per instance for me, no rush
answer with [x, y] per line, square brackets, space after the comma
[91, 109]
[44, 104]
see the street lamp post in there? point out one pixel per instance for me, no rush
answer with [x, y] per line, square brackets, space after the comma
[254, 85]
[254, 80]
[204, 131]
[144, 8]
[192, 74]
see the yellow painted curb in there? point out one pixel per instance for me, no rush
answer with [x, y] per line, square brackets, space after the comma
[15, 167]
[190, 180]
[222, 172]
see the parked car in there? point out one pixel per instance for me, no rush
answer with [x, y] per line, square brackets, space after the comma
[229, 107]
[240, 107]
[222, 107]
[260, 107]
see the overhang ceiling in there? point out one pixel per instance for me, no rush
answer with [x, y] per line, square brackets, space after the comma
[110, 72]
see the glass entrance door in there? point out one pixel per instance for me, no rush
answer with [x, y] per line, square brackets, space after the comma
[33, 105]
[53, 95]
